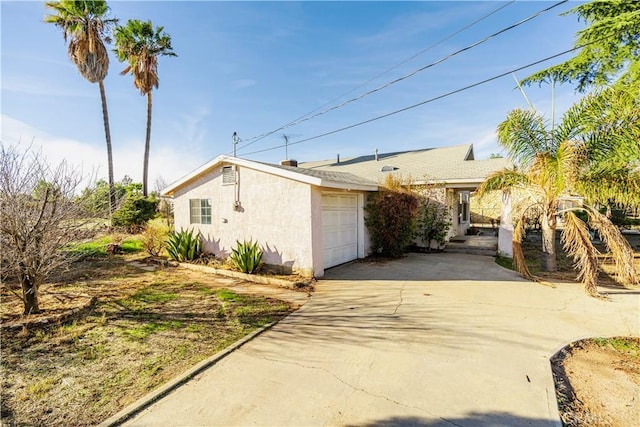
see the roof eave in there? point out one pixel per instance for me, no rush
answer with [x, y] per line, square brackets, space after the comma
[347, 186]
[262, 167]
[171, 188]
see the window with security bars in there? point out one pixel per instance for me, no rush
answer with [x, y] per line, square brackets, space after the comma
[200, 211]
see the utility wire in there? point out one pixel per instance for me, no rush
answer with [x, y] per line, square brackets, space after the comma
[388, 70]
[506, 73]
[413, 73]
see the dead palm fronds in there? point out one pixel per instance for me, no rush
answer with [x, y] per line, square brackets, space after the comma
[577, 242]
[617, 245]
[139, 44]
[85, 25]
[518, 254]
[592, 153]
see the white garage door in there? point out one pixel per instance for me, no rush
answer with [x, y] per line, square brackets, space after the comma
[339, 228]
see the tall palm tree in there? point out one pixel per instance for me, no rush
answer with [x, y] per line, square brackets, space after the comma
[140, 45]
[84, 24]
[594, 152]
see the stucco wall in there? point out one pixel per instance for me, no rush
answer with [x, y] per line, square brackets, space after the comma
[274, 211]
[316, 232]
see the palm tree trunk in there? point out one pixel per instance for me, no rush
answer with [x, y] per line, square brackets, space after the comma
[107, 134]
[549, 242]
[145, 169]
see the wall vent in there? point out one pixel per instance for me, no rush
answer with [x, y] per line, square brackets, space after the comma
[228, 175]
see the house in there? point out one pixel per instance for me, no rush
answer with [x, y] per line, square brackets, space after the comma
[305, 220]
[451, 170]
[310, 217]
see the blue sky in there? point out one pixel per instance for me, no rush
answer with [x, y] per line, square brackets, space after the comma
[251, 67]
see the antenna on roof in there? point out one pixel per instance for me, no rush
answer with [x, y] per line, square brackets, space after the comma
[286, 143]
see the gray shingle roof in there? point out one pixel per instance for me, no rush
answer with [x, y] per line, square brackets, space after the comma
[329, 175]
[427, 165]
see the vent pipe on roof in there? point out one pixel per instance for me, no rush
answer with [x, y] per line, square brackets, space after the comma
[338, 158]
[375, 154]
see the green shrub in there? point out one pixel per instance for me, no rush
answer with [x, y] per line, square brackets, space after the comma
[135, 212]
[154, 237]
[433, 222]
[246, 256]
[391, 221]
[183, 245]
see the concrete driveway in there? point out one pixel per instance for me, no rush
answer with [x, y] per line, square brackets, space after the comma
[434, 340]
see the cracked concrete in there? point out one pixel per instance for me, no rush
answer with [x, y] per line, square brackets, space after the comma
[432, 339]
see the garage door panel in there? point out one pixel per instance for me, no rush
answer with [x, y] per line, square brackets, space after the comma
[339, 228]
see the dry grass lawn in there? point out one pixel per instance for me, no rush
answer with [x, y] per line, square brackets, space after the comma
[145, 329]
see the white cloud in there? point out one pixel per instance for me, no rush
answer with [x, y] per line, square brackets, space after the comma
[33, 86]
[169, 162]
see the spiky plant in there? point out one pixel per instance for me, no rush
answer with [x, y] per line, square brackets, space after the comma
[594, 152]
[246, 256]
[184, 245]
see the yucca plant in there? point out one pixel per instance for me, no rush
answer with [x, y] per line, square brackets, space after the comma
[246, 256]
[183, 245]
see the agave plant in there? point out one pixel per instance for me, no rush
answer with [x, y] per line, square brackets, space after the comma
[246, 256]
[183, 245]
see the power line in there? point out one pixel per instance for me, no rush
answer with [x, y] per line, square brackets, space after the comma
[413, 73]
[254, 139]
[453, 92]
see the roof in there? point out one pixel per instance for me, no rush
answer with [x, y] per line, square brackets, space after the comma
[431, 165]
[320, 178]
[328, 175]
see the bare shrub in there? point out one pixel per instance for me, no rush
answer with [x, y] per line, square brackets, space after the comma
[39, 219]
[154, 237]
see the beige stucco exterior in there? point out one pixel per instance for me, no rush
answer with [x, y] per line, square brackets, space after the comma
[283, 215]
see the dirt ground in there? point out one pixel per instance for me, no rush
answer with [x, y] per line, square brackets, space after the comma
[59, 373]
[143, 329]
[598, 382]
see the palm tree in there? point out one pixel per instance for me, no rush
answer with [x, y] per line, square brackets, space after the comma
[594, 152]
[140, 45]
[84, 23]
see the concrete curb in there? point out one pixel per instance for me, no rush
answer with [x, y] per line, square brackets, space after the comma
[144, 402]
[264, 280]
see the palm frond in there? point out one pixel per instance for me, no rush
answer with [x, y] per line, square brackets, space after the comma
[518, 254]
[140, 45]
[577, 242]
[523, 134]
[565, 166]
[570, 127]
[615, 242]
[504, 179]
[620, 186]
[84, 23]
